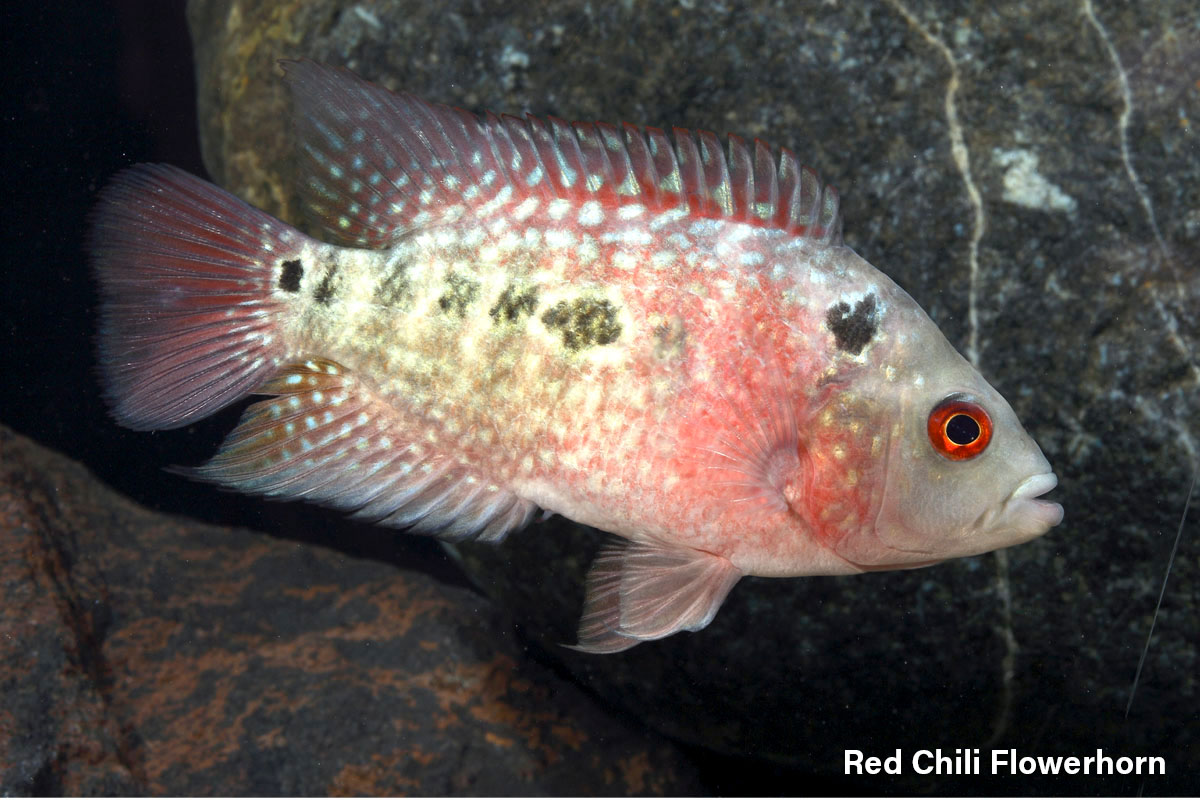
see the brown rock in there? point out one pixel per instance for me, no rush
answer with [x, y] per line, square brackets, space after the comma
[151, 654]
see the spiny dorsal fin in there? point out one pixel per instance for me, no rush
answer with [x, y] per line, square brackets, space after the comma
[377, 163]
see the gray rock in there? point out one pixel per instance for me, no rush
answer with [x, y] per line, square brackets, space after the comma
[1028, 172]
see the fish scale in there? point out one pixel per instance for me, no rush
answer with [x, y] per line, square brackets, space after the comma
[649, 333]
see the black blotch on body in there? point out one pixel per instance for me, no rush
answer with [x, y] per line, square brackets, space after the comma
[514, 303]
[460, 293]
[853, 329]
[289, 277]
[325, 291]
[394, 289]
[583, 322]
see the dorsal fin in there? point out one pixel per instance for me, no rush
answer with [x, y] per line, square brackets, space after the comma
[376, 164]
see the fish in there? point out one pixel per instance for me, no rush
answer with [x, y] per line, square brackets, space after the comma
[661, 336]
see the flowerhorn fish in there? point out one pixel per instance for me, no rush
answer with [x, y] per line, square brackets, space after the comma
[652, 334]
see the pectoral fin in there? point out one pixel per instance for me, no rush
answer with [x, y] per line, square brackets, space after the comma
[637, 591]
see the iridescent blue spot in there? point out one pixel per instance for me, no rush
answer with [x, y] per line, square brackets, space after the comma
[318, 186]
[334, 140]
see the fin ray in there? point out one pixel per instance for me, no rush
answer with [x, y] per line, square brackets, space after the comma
[377, 163]
[188, 316]
[641, 590]
[326, 437]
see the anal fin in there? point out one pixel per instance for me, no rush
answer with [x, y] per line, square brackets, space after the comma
[638, 591]
[328, 437]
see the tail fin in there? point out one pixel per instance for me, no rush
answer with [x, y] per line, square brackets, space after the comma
[189, 321]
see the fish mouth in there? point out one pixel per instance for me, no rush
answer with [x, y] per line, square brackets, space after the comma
[1026, 503]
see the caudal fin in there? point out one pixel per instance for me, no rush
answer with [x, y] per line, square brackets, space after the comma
[189, 322]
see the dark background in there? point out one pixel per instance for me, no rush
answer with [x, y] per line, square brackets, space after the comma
[94, 87]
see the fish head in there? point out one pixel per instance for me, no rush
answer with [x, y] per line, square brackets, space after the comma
[959, 475]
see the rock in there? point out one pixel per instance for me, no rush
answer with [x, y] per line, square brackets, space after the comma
[147, 654]
[1027, 172]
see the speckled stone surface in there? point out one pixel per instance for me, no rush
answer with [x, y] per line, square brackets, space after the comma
[146, 654]
[1030, 173]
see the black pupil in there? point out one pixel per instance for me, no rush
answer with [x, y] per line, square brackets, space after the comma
[961, 429]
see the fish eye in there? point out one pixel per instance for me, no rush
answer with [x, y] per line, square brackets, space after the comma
[959, 429]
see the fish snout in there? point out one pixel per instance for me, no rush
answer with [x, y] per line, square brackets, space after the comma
[1028, 511]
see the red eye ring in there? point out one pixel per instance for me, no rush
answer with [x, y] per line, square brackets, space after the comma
[959, 430]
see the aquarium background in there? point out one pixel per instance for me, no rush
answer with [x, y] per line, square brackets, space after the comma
[160, 636]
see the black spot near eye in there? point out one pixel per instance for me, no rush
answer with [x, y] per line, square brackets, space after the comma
[962, 430]
[853, 329]
[290, 276]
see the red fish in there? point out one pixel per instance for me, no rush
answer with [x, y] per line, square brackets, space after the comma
[656, 335]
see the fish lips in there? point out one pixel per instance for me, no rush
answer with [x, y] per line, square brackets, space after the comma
[1028, 510]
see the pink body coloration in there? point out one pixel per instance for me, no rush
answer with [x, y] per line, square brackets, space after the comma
[665, 340]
